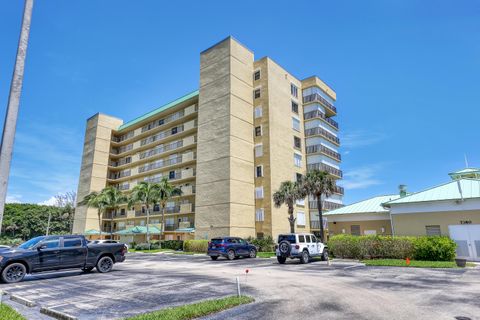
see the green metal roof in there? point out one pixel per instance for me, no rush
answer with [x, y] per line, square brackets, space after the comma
[139, 230]
[466, 173]
[91, 232]
[159, 109]
[453, 190]
[185, 230]
[372, 205]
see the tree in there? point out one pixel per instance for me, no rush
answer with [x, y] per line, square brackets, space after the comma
[318, 183]
[67, 201]
[147, 194]
[96, 200]
[165, 192]
[288, 193]
[114, 198]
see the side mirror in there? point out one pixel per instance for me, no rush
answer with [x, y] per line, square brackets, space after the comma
[40, 247]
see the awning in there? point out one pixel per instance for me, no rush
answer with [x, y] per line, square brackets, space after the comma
[91, 232]
[187, 230]
[139, 230]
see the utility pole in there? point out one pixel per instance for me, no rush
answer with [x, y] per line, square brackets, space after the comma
[9, 127]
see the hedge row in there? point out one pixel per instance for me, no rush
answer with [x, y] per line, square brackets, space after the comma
[263, 245]
[200, 246]
[384, 247]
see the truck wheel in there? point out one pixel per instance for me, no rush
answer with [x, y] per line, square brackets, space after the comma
[281, 260]
[325, 255]
[304, 258]
[87, 269]
[214, 257]
[230, 254]
[105, 264]
[253, 253]
[14, 272]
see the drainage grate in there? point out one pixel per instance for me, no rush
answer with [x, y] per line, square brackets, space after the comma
[462, 318]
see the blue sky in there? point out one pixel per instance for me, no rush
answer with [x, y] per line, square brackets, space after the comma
[407, 76]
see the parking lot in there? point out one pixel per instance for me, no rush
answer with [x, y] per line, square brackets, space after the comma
[343, 290]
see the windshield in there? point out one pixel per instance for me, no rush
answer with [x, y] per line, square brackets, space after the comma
[289, 237]
[31, 243]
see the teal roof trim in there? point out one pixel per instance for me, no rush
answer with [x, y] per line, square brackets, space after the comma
[139, 230]
[372, 205]
[159, 109]
[470, 188]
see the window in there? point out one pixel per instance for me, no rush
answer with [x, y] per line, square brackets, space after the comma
[259, 215]
[258, 112]
[161, 122]
[259, 171]
[294, 90]
[301, 239]
[298, 177]
[258, 150]
[259, 193]
[433, 230]
[295, 124]
[289, 237]
[142, 222]
[256, 75]
[256, 94]
[72, 242]
[297, 158]
[174, 130]
[307, 238]
[51, 242]
[260, 235]
[258, 131]
[314, 239]
[300, 202]
[294, 107]
[297, 143]
[355, 230]
[300, 218]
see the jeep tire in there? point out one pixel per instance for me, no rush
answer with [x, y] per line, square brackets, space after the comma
[281, 260]
[304, 257]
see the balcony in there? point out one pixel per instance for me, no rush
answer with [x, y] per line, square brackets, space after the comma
[325, 167]
[163, 121]
[315, 97]
[123, 137]
[161, 149]
[318, 148]
[159, 164]
[119, 175]
[315, 224]
[324, 133]
[318, 114]
[179, 225]
[326, 205]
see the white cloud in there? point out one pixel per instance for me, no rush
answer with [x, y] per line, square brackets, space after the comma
[361, 138]
[50, 202]
[362, 177]
[13, 198]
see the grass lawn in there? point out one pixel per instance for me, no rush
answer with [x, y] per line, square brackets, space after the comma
[151, 251]
[265, 254]
[7, 313]
[192, 311]
[413, 263]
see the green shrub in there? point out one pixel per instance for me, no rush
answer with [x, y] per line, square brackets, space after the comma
[200, 246]
[171, 244]
[10, 242]
[386, 247]
[144, 246]
[434, 248]
[263, 245]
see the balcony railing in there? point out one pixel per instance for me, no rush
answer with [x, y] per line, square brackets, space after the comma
[123, 137]
[176, 175]
[158, 210]
[121, 162]
[119, 175]
[319, 114]
[123, 187]
[325, 167]
[159, 164]
[161, 122]
[319, 148]
[324, 133]
[162, 135]
[326, 205]
[161, 149]
[315, 97]
[180, 225]
[122, 149]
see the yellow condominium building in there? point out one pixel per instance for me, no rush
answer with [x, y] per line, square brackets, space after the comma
[228, 146]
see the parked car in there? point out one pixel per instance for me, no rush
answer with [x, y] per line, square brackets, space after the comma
[58, 252]
[106, 241]
[300, 245]
[231, 248]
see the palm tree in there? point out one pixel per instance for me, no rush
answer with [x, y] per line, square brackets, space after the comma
[96, 200]
[114, 198]
[318, 183]
[147, 194]
[166, 192]
[288, 193]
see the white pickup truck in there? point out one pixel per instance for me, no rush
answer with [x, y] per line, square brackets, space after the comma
[300, 245]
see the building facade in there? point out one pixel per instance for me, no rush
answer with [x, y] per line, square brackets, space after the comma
[228, 146]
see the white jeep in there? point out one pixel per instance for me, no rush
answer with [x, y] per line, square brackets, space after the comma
[300, 245]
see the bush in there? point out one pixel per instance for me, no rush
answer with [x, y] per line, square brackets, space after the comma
[144, 246]
[385, 247]
[200, 246]
[263, 245]
[10, 241]
[434, 248]
[171, 244]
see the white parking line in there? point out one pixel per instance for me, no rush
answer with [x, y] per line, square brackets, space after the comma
[356, 266]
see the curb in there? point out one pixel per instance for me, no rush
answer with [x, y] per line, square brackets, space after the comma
[57, 314]
[23, 301]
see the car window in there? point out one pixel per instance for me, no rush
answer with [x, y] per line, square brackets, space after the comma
[307, 239]
[289, 237]
[72, 242]
[217, 241]
[241, 241]
[31, 243]
[301, 239]
[232, 240]
[314, 239]
[51, 243]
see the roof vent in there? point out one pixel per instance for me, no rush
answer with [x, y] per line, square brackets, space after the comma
[403, 190]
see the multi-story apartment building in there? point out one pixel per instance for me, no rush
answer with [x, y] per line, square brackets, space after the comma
[228, 146]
